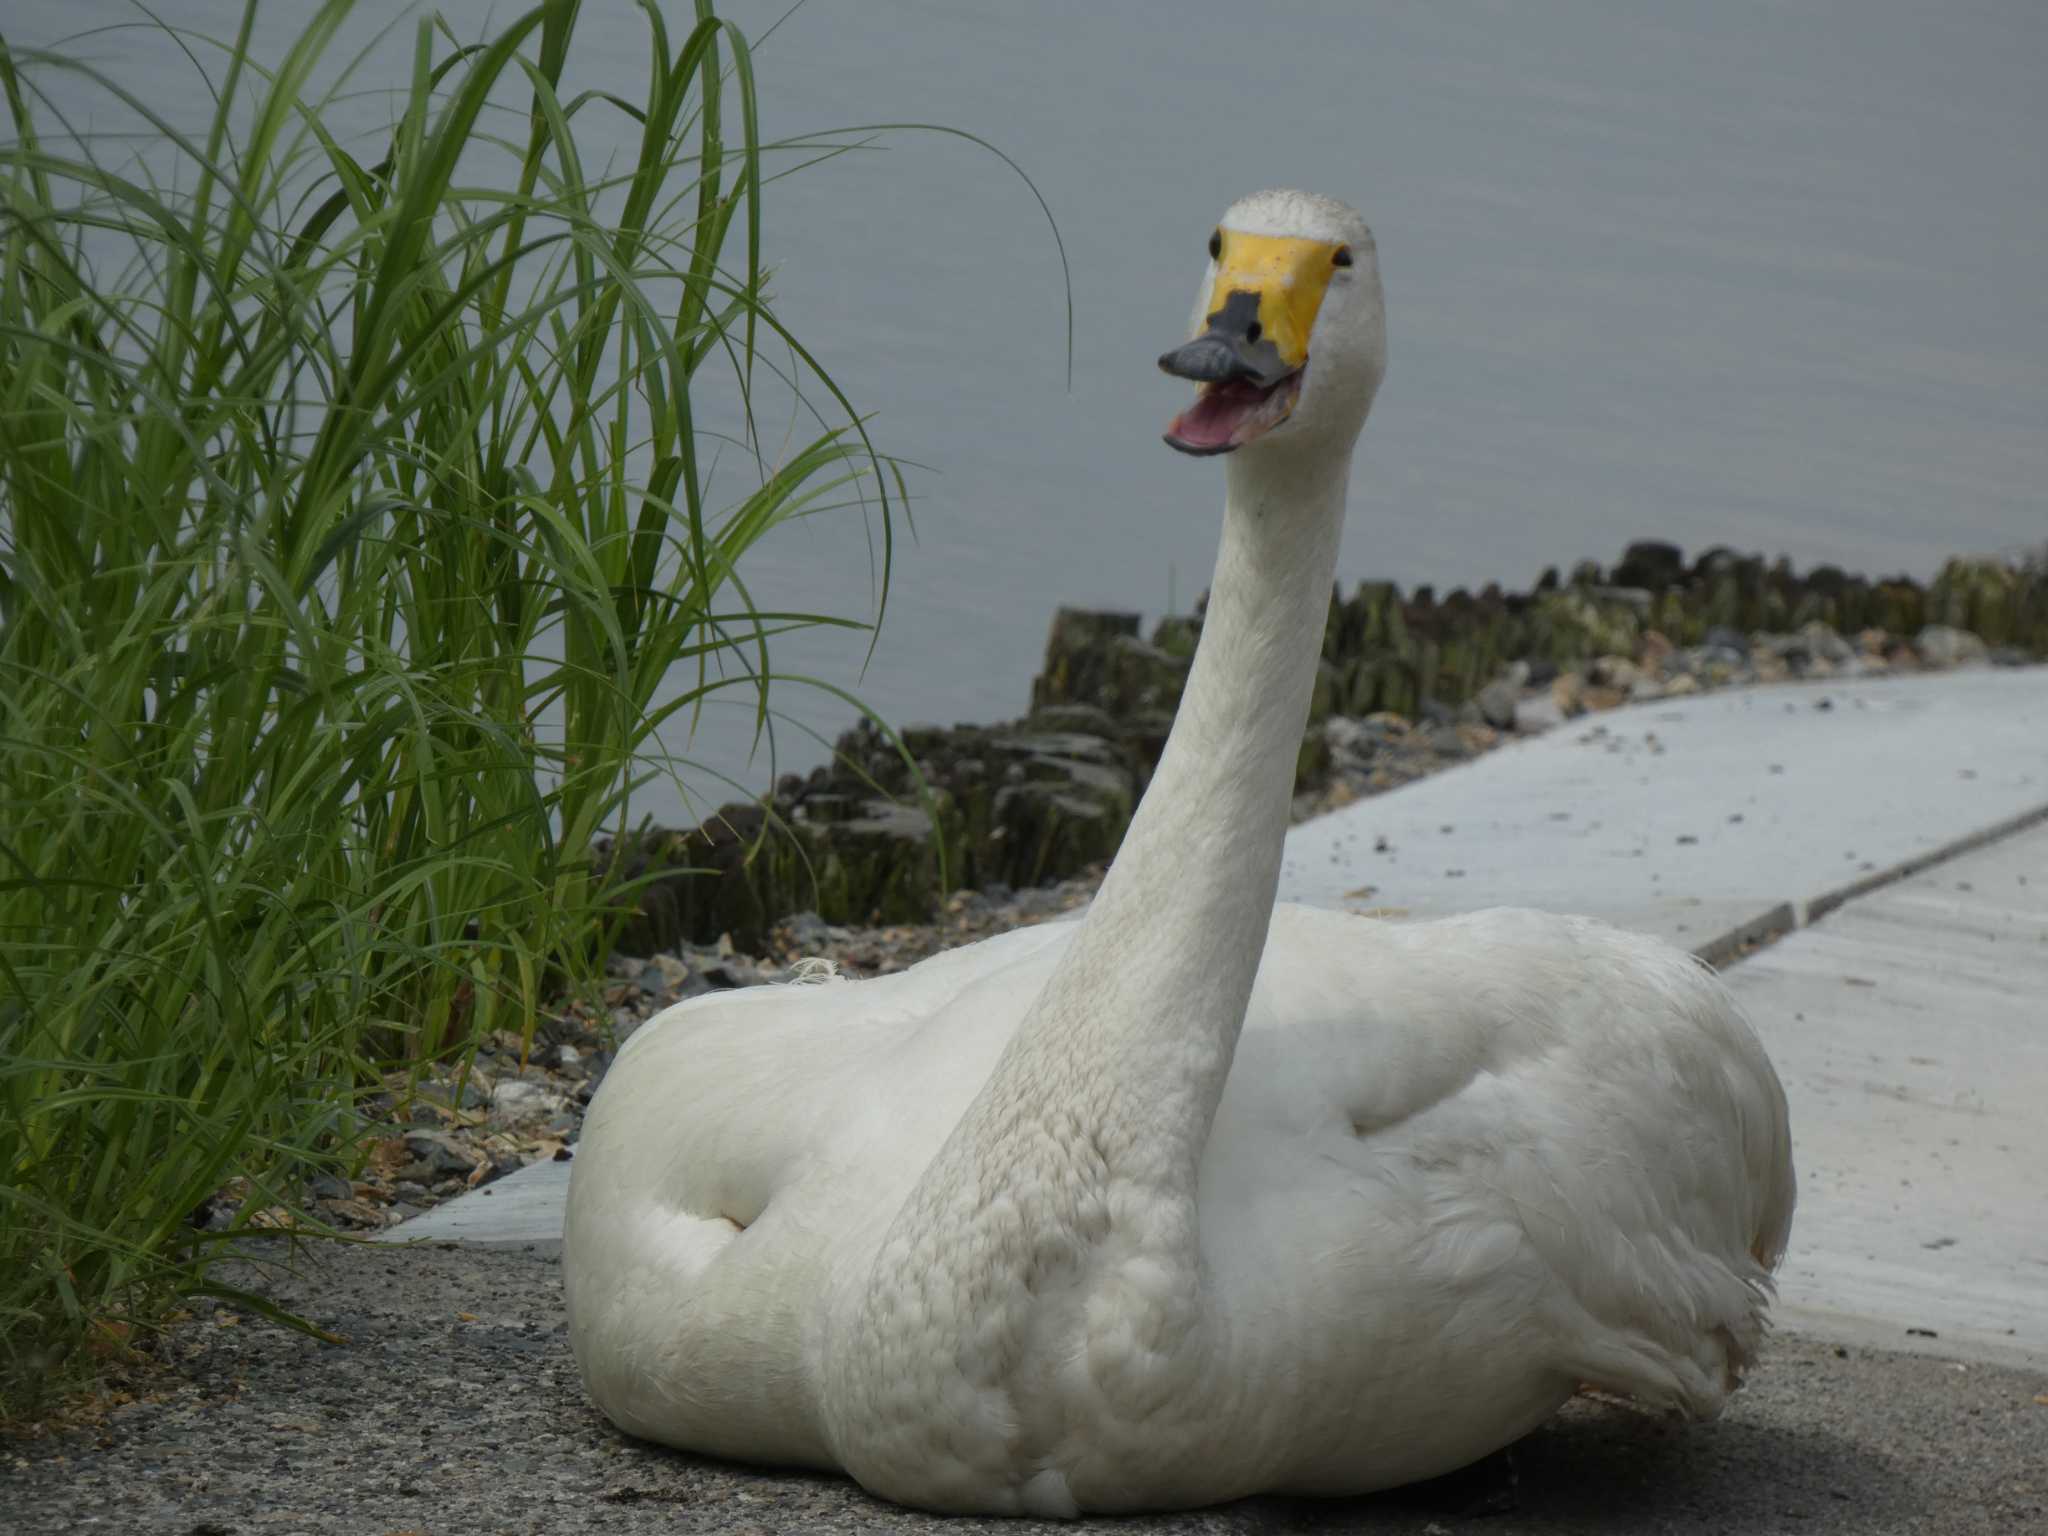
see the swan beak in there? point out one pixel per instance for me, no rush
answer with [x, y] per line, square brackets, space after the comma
[1248, 359]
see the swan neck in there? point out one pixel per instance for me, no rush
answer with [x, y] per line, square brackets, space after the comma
[1153, 990]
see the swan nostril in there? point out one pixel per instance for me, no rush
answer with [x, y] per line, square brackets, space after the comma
[1253, 332]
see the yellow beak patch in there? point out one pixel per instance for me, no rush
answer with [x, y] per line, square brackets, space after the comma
[1289, 275]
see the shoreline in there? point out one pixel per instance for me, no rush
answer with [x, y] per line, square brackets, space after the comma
[893, 824]
[515, 1107]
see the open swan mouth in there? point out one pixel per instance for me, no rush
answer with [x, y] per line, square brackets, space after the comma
[1229, 413]
[1250, 348]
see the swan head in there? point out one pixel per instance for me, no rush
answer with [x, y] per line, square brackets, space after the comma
[1288, 339]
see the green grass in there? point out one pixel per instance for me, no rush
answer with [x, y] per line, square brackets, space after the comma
[354, 522]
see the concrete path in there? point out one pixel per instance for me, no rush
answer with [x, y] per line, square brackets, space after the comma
[1910, 1027]
[1697, 819]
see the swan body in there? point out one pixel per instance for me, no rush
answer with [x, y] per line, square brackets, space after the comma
[1196, 1196]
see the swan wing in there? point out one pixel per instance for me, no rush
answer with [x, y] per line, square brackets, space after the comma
[1543, 1131]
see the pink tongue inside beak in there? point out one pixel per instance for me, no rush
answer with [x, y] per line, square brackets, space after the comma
[1217, 413]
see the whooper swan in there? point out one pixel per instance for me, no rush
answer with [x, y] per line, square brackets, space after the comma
[1195, 1197]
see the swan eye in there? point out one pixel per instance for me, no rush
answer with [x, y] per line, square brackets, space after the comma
[1216, 245]
[1342, 258]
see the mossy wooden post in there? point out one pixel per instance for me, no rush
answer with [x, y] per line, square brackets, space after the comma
[1077, 655]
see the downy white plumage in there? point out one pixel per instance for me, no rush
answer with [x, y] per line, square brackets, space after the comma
[1194, 1197]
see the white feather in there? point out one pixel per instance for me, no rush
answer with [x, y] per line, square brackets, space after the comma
[1195, 1197]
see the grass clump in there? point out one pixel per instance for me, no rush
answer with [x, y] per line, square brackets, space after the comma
[351, 518]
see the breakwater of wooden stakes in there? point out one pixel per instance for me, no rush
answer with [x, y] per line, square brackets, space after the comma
[866, 839]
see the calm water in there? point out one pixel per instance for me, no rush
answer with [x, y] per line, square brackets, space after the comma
[1762, 274]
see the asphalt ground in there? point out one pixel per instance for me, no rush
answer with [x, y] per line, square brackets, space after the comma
[454, 1407]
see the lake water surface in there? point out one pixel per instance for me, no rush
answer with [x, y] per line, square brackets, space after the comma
[1765, 274]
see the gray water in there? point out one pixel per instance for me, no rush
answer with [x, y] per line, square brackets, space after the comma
[1764, 274]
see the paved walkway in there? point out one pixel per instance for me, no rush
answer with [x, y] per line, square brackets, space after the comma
[1911, 1029]
[1696, 819]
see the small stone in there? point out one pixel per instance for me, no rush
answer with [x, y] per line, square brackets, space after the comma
[1616, 672]
[1496, 704]
[1497, 700]
[518, 1100]
[435, 1154]
[1599, 698]
[1353, 744]
[1823, 644]
[807, 933]
[329, 1186]
[1539, 712]
[1722, 638]
[1942, 645]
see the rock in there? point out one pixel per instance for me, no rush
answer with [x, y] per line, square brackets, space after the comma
[1720, 637]
[517, 1100]
[1615, 672]
[473, 1094]
[436, 1155]
[1568, 693]
[329, 1186]
[806, 932]
[1790, 649]
[1941, 645]
[1719, 663]
[1498, 699]
[1601, 697]
[1825, 645]
[1539, 712]
[1352, 743]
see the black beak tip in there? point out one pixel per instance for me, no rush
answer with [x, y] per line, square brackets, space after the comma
[1208, 359]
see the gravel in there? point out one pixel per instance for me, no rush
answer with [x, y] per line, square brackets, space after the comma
[454, 1408]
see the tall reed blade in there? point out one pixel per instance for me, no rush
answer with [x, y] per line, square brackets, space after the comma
[354, 530]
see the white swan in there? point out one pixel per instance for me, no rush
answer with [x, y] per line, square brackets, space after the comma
[1192, 1198]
